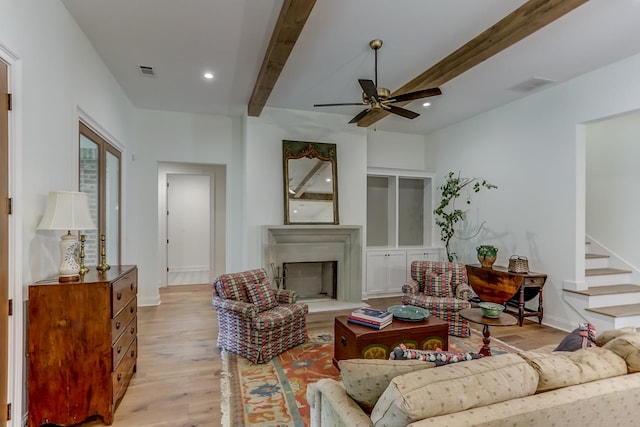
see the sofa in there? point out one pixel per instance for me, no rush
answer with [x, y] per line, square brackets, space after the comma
[594, 386]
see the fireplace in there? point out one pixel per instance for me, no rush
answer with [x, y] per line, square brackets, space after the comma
[341, 244]
[311, 280]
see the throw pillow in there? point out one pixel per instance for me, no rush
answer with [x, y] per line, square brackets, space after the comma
[581, 337]
[438, 285]
[607, 336]
[365, 379]
[438, 356]
[261, 295]
[627, 347]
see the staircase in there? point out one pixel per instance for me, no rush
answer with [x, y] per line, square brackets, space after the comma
[610, 300]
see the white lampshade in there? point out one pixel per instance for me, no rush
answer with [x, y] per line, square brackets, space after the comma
[67, 210]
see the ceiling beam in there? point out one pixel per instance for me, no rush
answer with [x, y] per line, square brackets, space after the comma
[522, 22]
[293, 16]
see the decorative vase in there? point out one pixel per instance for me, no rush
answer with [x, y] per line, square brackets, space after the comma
[487, 255]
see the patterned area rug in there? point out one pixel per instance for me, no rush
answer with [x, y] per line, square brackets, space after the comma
[273, 394]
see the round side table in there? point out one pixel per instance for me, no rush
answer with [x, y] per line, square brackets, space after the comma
[475, 315]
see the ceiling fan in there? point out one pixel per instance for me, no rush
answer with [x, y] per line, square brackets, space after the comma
[379, 98]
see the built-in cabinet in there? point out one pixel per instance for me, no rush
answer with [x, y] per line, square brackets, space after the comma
[386, 271]
[399, 227]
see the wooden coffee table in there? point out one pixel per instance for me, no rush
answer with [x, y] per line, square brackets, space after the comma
[475, 315]
[352, 341]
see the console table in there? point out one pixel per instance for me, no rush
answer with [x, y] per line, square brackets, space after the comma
[498, 284]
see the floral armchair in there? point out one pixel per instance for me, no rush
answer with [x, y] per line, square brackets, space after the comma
[443, 289]
[255, 320]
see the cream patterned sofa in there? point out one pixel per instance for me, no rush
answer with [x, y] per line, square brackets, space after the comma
[595, 386]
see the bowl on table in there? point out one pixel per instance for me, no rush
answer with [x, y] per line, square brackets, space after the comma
[491, 309]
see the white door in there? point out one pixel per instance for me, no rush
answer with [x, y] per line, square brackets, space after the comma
[189, 219]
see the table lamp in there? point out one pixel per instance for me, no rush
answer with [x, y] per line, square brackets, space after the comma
[67, 210]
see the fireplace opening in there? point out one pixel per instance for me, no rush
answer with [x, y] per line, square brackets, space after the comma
[311, 280]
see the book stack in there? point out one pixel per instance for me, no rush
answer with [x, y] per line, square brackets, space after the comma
[370, 317]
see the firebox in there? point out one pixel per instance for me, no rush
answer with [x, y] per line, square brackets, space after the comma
[311, 280]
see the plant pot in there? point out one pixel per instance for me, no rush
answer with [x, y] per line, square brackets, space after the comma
[487, 255]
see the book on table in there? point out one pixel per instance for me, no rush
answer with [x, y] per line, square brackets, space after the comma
[368, 324]
[372, 314]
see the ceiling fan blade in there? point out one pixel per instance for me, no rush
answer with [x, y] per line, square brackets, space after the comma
[360, 115]
[369, 88]
[425, 93]
[401, 111]
[346, 103]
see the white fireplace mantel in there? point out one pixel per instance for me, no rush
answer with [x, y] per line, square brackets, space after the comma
[312, 243]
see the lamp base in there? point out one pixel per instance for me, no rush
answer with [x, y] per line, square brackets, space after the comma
[69, 266]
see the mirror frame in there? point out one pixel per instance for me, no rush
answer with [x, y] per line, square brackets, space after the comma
[292, 150]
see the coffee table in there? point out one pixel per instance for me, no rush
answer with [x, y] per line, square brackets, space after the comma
[352, 341]
[475, 315]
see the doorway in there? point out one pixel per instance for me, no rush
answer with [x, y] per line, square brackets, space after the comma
[189, 218]
[176, 171]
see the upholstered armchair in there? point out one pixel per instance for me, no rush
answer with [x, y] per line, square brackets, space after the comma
[443, 289]
[255, 320]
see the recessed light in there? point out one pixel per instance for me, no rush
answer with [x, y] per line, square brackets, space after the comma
[426, 104]
[328, 179]
[208, 76]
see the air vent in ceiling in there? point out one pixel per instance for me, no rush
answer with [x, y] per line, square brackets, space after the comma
[532, 84]
[147, 71]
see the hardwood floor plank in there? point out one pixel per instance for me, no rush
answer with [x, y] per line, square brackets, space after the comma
[177, 383]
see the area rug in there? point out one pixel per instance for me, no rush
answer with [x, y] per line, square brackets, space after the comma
[273, 394]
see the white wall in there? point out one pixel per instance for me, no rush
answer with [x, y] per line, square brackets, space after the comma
[176, 137]
[612, 153]
[533, 149]
[264, 168]
[398, 151]
[55, 74]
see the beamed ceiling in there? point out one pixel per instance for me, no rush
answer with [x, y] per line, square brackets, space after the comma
[293, 54]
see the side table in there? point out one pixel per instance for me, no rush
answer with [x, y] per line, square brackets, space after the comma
[475, 315]
[498, 284]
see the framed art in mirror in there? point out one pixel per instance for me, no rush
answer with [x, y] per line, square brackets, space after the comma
[310, 182]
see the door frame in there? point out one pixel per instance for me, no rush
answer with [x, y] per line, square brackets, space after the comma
[218, 200]
[17, 292]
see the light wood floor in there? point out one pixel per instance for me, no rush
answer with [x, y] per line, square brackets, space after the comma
[177, 383]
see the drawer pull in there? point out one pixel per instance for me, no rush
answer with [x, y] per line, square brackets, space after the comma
[131, 309]
[119, 349]
[133, 330]
[119, 376]
[119, 295]
[117, 324]
[133, 353]
[131, 287]
[343, 341]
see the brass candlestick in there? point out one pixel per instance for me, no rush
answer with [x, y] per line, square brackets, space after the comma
[103, 266]
[83, 268]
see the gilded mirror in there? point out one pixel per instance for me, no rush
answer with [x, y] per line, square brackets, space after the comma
[310, 183]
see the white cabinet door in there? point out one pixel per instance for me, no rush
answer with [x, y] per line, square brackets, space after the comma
[386, 272]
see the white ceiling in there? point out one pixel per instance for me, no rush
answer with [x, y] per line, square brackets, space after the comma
[183, 39]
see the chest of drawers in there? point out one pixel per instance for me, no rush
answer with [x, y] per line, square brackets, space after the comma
[82, 346]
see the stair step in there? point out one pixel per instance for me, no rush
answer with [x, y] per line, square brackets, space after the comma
[595, 256]
[617, 311]
[607, 290]
[604, 271]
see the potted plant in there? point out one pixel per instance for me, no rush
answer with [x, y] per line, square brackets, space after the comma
[447, 214]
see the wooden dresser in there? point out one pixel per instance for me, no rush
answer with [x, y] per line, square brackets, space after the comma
[82, 346]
